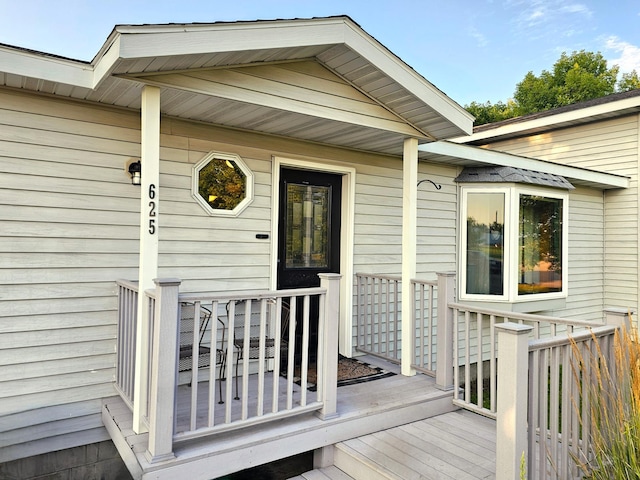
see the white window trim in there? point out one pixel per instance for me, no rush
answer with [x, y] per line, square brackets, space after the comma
[195, 193]
[512, 194]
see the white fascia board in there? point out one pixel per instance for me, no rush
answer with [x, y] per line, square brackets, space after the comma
[386, 61]
[228, 37]
[42, 67]
[551, 121]
[105, 62]
[493, 157]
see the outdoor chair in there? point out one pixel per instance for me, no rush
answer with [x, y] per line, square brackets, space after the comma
[253, 352]
[187, 325]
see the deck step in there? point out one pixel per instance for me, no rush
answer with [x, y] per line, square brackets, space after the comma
[458, 445]
[328, 473]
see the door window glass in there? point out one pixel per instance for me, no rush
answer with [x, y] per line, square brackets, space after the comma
[308, 226]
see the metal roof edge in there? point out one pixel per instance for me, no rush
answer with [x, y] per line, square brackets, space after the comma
[493, 157]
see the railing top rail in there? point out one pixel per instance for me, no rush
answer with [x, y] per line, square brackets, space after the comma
[131, 284]
[527, 317]
[560, 340]
[251, 294]
[396, 278]
[380, 276]
[433, 283]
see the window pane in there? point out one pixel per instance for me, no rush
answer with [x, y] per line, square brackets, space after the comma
[540, 245]
[307, 234]
[485, 249]
[222, 184]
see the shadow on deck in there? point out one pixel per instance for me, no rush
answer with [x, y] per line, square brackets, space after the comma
[363, 409]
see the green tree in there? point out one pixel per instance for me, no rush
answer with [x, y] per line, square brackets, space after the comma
[489, 113]
[575, 78]
[629, 81]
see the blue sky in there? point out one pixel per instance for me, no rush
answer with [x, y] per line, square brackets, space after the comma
[473, 50]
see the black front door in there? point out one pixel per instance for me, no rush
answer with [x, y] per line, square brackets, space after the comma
[309, 236]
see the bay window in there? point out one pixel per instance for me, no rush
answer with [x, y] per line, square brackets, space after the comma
[513, 243]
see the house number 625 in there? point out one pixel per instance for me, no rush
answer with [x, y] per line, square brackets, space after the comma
[152, 209]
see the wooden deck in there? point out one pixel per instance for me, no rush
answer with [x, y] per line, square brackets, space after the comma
[459, 445]
[363, 409]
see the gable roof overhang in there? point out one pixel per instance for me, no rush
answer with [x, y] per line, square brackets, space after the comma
[404, 104]
[469, 156]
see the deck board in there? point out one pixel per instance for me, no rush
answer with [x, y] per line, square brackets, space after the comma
[458, 445]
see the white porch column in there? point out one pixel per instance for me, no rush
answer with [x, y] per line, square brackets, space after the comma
[148, 266]
[409, 239]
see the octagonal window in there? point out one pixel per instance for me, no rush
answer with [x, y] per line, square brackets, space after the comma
[222, 184]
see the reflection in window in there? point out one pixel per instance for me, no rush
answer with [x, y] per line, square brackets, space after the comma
[512, 248]
[308, 226]
[540, 245]
[485, 249]
[222, 184]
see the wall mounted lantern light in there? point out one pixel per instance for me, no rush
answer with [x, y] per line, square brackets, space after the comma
[135, 170]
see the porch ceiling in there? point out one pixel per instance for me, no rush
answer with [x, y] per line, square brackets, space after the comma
[134, 55]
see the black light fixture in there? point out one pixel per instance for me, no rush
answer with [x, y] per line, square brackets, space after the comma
[135, 170]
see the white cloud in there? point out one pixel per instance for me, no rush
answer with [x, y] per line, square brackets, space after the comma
[480, 38]
[577, 8]
[629, 54]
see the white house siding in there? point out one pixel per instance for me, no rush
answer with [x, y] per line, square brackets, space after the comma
[69, 225]
[609, 146]
[437, 220]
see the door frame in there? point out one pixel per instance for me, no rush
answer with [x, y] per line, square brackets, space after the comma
[346, 235]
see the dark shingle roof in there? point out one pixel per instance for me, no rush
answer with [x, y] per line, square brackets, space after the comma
[512, 175]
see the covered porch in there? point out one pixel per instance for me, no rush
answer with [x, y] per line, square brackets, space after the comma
[314, 101]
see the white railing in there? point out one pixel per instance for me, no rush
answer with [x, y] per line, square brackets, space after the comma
[252, 391]
[378, 320]
[425, 321]
[544, 403]
[378, 316]
[476, 354]
[243, 332]
[126, 341]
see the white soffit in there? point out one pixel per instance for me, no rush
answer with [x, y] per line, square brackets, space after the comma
[465, 155]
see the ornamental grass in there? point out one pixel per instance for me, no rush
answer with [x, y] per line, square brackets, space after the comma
[614, 408]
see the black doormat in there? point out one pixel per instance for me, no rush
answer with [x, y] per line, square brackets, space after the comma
[350, 372]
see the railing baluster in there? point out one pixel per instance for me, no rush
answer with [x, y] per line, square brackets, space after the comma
[276, 360]
[479, 365]
[293, 315]
[421, 322]
[231, 328]
[305, 351]
[195, 360]
[467, 357]
[456, 364]
[213, 365]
